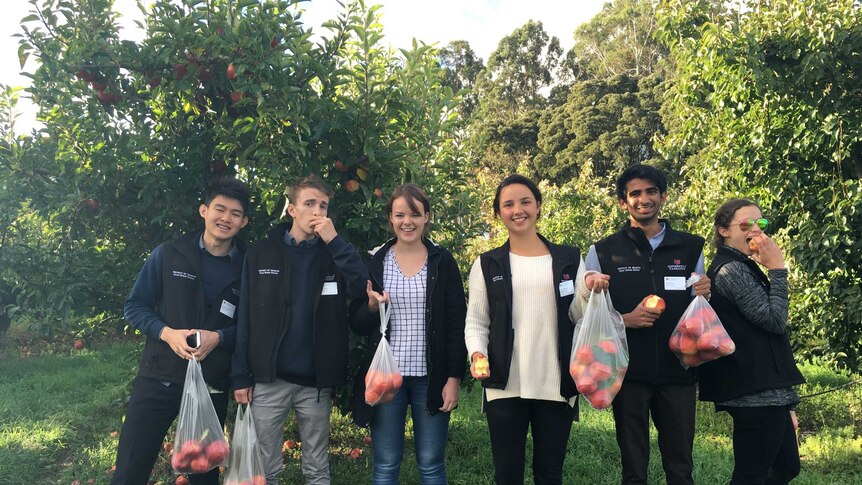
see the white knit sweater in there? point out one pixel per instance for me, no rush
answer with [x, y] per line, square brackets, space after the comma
[534, 372]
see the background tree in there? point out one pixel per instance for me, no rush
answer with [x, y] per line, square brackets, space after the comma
[461, 69]
[135, 130]
[512, 91]
[769, 108]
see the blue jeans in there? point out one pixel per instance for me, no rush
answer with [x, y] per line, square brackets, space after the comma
[429, 432]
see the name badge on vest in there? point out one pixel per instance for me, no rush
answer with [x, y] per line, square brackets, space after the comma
[227, 308]
[567, 287]
[329, 288]
[674, 283]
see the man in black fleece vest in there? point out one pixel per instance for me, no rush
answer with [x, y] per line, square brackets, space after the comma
[648, 257]
[292, 346]
[186, 285]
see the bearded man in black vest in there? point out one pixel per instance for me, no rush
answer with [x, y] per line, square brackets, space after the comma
[648, 257]
[187, 285]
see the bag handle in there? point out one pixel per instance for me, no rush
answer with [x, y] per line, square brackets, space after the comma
[385, 311]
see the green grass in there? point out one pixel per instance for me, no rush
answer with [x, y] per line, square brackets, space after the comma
[58, 413]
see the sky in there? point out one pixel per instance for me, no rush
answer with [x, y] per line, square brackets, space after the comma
[480, 22]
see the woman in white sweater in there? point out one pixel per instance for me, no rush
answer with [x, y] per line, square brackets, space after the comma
[524, 299]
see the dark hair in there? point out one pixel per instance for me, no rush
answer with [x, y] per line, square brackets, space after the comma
[514, 180]
[412, 193]
[228, 187]
[309, 182]
[641, 171]
[724, 215]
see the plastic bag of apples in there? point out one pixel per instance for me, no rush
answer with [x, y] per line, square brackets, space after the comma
[600, 354]
[200, 444]
[244, 466]
[383, 378]
[699, 335]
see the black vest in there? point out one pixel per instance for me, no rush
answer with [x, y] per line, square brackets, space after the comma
[268, 272]
[762, 360]
[498, 281]
[182, 306]
[637, 271]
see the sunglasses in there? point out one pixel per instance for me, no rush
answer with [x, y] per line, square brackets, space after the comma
[747, 224]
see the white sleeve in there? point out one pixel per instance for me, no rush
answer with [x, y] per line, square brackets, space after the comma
[582, 294]
[478, 323]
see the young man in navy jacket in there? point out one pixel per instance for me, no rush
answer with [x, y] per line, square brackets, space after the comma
[292, 330]
[187, 285]
[648, 257]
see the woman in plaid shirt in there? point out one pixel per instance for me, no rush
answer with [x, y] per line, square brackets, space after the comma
[426, 334]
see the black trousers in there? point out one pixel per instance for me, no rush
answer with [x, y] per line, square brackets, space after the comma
[550, 423]
[151, 410]
[764, 446]
[672, 408]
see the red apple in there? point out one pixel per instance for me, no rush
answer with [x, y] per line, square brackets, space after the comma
[601, 399]
[692, 327]
[231, 72]
[366, 440]
[608, 346]
[179, 461]
[258, 480]
[201, 464]
[351, 185]
[584, 354]
[691, 360]
[586, 385]
[754, 244]
[726, 346]
[192, 448]
[289, 444]
[378, 192]
[274, 42]
[655, 302]
[204, 73]
[98, 86]
[340, 166]
[674, 342]
[84, 75]
[79, 344]
[600, 371]
[687, 345]
[708, 342]
[355, 453]
[181, 480]
[106, 98]
[217, 451]
[396, 380]
[179, 70]
[236, 96]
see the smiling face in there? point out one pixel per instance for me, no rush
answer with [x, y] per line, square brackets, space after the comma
[519, 209]
[223, 218]
[310, 203]
[643, 201]
[734, 236]
[407, 223]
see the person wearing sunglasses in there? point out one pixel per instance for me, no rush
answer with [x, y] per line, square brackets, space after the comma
[755, 383]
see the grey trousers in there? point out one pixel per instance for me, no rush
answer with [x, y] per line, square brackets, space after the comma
[271, 404]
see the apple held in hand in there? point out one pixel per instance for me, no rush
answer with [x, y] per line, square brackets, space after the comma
[482, 367]
[754, 244]
[655, 302]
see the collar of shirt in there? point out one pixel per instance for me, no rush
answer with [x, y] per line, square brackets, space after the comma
[291, 241]
[658, 238]
[233, 253]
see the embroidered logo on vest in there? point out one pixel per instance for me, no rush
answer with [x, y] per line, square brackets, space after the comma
[183, 274]
[271, 271]
[496, 279]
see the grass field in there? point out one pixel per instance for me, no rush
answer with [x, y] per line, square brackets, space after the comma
[59, 417]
